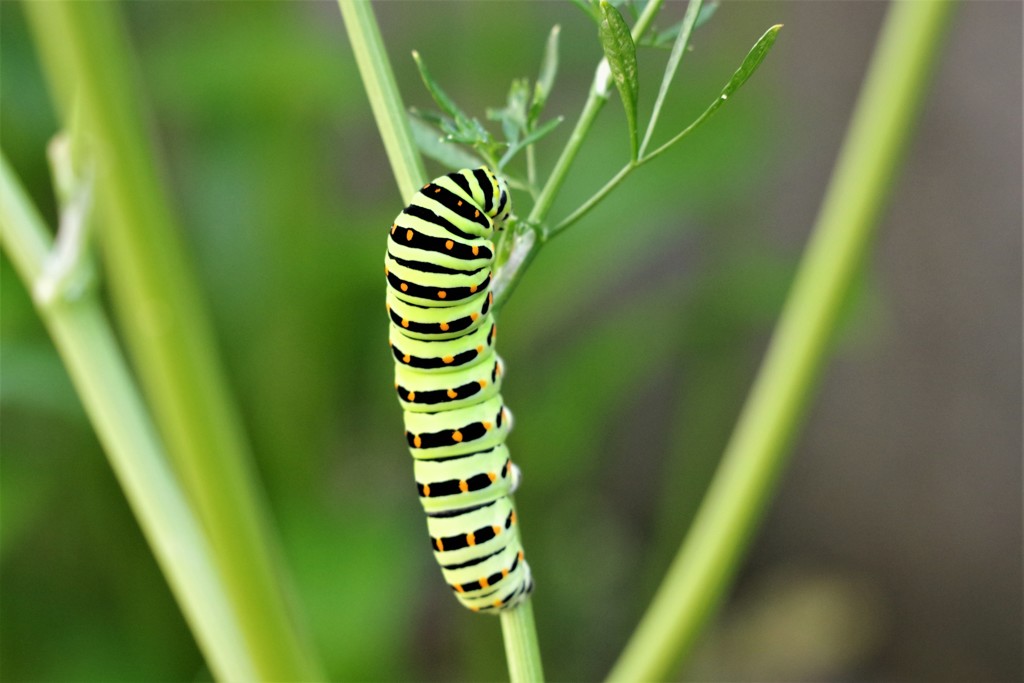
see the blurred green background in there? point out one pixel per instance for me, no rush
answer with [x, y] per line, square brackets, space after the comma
[893, 549]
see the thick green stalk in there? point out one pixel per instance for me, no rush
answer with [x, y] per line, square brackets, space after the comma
[85, 341]
[518, 629]
[887, 108]
[86, 55]
[385, 100]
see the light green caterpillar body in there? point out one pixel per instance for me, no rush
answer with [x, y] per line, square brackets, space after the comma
[448, 380]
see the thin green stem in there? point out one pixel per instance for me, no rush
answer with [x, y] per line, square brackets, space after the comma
[890, 100]
[595, 199]
[606, 189]
[506, 282]
[100, 374]
[85, 52]
[518, 629]
[531, 171]
[749, 66]
[385, 100]
[598, 196]
[678, 49]
[681, 134]
[591, 108]
[598, 95]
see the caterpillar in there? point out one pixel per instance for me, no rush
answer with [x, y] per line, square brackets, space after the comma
[438, 268]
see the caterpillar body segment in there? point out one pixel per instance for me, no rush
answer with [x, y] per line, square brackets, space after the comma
[444, 288]
[424, 392]
[461, 352]
[447, 484]
[438, 268]
[430, 322]
[457, 432]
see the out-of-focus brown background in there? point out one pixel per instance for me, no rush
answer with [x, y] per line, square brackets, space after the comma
[892, 550]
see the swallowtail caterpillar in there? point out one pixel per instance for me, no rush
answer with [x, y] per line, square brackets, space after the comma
[448, 379]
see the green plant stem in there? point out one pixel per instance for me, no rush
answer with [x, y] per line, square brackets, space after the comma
[750, 64]
[591, 108]
[681, 134]
[100, 374]
[517, 625]
[584, 208]
[85, 52]
[631, 166]
[596, 198]
[506, 282]
[531, 171]
[879, 131]
[678, 49]
[519, 634]
[385, 100]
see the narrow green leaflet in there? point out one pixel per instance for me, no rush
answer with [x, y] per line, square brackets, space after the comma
[533, 137]
[513, 116]
[621, 54]
[458, 126]
[430, 117]
[750, 64]
[447, 105]
[751, 61]
[546, 78]
[434, 146]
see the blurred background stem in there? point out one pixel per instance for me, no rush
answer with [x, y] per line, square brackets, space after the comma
[518, 629]
[85, 52]
[87, 345]
[911, 38]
